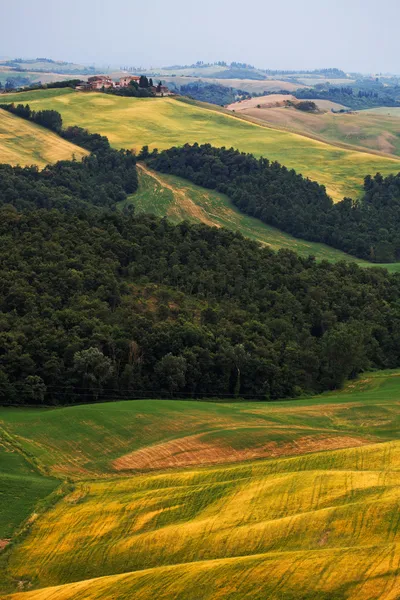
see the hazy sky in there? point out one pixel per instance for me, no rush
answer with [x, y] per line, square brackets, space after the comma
[356, 35]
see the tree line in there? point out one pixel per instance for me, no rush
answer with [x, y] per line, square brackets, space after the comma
[368, 228]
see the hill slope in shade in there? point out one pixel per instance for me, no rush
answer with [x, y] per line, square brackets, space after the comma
[21, 487]
[25, 143]
[165, 122]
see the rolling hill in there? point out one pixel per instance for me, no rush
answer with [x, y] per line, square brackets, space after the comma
[375, 129]
[179, 199]
[25, 143]
[164, 122]
[250, 500]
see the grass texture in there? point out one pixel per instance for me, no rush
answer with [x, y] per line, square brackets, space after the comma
[190, 500]
[25, 143]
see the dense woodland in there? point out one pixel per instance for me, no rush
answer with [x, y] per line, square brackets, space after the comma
[211, 92]
[368, 228]
[97, 303]
[102, 304]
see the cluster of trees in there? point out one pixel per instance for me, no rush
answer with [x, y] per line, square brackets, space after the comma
[13, 83]
[212, 92]
[101, 179]
[354, 97]
[51, 119]
[368, 228]
[98, 304]
[305, 106]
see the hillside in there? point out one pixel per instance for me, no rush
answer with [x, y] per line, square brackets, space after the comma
[164, 122]
[179, 199]
[314, 516]
[275, 101]
[24, 143]
[248, 85]
[376, 129]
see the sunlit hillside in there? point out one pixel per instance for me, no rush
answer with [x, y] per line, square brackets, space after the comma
[164, 122]
[248, 500]
[25, 143]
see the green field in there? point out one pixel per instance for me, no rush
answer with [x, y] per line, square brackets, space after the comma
[164, 122]
[25, 143]
[295, 499]
[21, 487]
[179, 199]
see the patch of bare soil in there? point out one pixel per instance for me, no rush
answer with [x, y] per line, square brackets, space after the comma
[192, 450]
[3, 544]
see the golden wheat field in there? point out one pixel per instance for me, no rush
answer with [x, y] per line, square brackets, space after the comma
[199, 500]
[25, 143]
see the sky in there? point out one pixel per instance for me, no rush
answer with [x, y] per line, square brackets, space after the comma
[355, 35]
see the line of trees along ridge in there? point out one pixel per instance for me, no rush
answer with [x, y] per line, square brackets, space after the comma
[368, 228]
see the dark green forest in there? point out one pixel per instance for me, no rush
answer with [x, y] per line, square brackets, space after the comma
[98, 303]
[361, 95]
[368, 228]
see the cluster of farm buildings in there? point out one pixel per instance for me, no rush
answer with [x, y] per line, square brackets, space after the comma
[99, 82]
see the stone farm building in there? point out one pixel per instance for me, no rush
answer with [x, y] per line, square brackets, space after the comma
[125, 81]
[97, 82]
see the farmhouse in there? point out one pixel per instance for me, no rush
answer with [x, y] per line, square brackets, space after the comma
[161, 90]
[97, 82]
[125, 81]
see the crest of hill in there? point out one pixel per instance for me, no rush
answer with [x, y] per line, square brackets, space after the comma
[373, 129]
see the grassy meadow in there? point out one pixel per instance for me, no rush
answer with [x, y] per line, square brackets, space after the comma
[165, 122]
[115, 438]
[179, 199]
[295, 499]
[25, 143]
[21, 488]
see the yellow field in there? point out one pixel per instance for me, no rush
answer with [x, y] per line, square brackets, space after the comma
[319, 526]
[169, 501]
[25, 143]
[165, 122]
